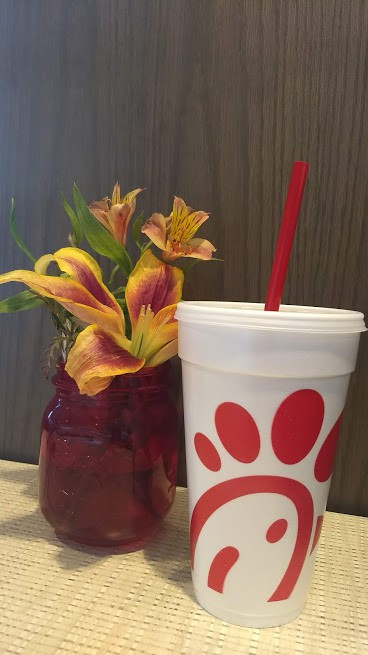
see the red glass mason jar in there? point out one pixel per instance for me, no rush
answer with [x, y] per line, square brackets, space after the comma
[107, 468]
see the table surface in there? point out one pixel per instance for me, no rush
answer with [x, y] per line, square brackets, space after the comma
[60, 599]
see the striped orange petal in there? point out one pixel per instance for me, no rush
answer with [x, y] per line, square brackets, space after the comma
[185, 221]
[99, 209]
[115, 198]
[97, 357]
[120, 213]
[196, 248]
[163, 329]
[131, 196]
[152, 283]
[165, 353]
[71, 295]
[155, 229]
[118, 218]
[83, 269]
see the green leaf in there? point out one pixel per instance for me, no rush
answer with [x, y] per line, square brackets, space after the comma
[14, 231]
[98, 238]
[19, 302]
[187, 265]
[136, 229]
[191, 262]
[77, 234]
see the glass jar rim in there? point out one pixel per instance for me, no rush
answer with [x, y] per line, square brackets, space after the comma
[147, 378]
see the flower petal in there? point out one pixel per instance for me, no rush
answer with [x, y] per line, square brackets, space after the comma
[118, 218]
[180, 210]
[165, 316]
[115, 198]
[101, 205]
[197, 248]
[131, 196]
[155, 229]
[185, 222]
[99, 210]
[84, 269]
[193, 222]
[164, 325]
[152, 283]
[97, 357]
[71, 295]
[162, 328]
[43, 263]
[200, 248]
[164, 354]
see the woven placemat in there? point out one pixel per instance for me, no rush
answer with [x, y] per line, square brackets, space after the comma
[55, 599]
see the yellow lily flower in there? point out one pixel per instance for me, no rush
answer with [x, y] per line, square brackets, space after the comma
[116, 213]
[102, 350]
[174, 234]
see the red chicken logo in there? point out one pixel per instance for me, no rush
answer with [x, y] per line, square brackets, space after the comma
[295, 430]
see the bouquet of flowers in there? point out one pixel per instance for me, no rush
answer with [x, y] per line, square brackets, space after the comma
[119, 326]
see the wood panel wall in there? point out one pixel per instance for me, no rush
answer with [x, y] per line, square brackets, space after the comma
[211, 100]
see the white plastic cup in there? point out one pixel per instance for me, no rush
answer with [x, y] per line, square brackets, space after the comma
[263, 398]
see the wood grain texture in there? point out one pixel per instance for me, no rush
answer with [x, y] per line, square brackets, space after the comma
[210, 100]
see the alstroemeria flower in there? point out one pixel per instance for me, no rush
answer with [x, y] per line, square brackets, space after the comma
[89, 300]
[116, 213]
[174, 234]
[151, 295]
[102, 350]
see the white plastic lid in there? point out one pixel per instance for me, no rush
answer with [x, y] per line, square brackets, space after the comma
[293, 318]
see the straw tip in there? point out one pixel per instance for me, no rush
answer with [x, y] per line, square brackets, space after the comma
[301, 164]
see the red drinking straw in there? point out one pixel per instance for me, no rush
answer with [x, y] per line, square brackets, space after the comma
[286, 236]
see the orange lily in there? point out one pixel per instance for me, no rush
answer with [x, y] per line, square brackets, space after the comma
[174, 234]
[102, 350]
[116, 213]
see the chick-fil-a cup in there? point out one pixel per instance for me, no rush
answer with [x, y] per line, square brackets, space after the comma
[264, 394]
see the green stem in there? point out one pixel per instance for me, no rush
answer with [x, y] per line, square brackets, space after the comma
[148, 245]
[118, 291]
[113, 273]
